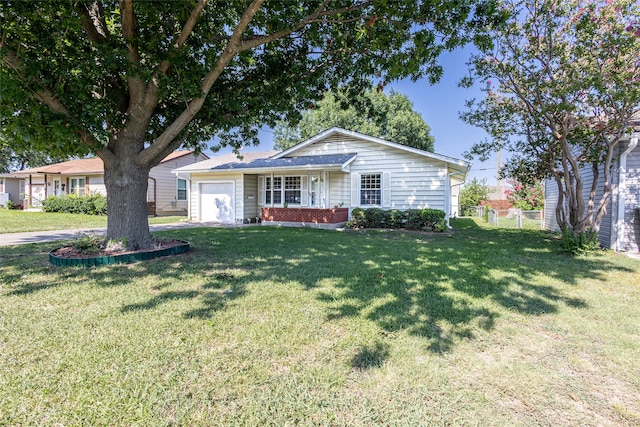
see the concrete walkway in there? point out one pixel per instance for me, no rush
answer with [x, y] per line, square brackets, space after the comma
[10, 239]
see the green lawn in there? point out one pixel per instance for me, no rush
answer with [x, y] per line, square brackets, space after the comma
[14, 221]
[268, 326]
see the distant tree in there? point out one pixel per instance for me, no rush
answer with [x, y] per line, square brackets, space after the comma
[374, 113]
[471, 194]
[14, 158]
[528, 197]
[131, 81]
[562, 85]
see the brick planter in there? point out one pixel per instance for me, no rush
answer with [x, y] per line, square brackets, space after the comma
[305, 215]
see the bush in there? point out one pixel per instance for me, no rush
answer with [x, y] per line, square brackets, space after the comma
[8, 205]
[357, 218]
[579, 243]
[414, 222]
[94, 204]
[395, 218]
[412, 219]
[374, 218]
[430, 217]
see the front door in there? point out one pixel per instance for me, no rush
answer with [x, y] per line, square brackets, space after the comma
[56, 187]
[314, 191]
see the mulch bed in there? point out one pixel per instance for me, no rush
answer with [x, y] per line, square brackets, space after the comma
[71, 252]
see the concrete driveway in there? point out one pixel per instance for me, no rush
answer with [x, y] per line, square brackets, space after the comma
[10, 239]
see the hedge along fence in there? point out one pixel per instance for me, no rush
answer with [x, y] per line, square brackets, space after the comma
[412, 219]
[94, 204]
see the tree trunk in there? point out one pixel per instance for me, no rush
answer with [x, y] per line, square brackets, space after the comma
[126, 182]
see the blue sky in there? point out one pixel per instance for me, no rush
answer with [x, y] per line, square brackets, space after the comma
[439, 106]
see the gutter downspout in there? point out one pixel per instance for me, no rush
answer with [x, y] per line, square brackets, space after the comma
[447, 196]
[622, 188]
[188, 194]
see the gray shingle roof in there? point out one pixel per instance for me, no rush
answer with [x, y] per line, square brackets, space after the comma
[290, 162]
[264, 162]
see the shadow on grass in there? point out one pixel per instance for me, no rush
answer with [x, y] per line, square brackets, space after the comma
[442, 287]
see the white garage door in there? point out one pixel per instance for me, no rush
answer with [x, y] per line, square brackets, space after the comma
[217, 202]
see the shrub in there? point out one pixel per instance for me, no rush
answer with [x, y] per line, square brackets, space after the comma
[395, 218]
[89, 243]
[374, 217]
[440, 226]
[357, 218]
[94, 204]
[8, 205]
[412, 219]
[430, 217]
[579, 243]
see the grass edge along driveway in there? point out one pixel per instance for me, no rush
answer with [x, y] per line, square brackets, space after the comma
[15, 221]
[271, 326]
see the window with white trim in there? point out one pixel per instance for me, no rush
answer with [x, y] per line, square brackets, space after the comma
[273, 190]
[292, 189]
[181, 188]
[77, 186]
[283, 189]
[371, 189]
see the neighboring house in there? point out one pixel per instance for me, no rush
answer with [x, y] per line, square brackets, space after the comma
[166, 194]
[11, 188]
[620, 228]
[318, 181]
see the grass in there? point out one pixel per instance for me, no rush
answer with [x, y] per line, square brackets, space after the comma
[14, 221]
[269, 326]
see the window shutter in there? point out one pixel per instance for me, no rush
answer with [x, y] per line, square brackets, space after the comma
[355, 190]
[304, 190]
[386, 190]
[261, 190]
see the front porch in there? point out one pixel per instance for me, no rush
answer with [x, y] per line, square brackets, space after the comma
[305, 217]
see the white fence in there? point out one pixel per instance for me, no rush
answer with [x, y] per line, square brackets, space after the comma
[513, 218]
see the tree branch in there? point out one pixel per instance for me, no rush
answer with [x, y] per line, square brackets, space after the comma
[185, 33]
[150, 154]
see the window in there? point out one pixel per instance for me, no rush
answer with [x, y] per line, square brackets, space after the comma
[370, 189]
[292, 187]
[279, 190]
[77, 186]
[273, 190]
[182, 189]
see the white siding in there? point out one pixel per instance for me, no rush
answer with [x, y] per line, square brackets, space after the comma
[416, 182]
[632, 202]
[96, 185]
[339, 189]
[166, 194]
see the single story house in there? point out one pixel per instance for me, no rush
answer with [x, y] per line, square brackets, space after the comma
[166, 194]
[317, 182]
[620, 228]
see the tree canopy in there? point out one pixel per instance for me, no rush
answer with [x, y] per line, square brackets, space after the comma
[561, 85]
[471, 194]
[131, 81]
[14, 157]
[374, 113]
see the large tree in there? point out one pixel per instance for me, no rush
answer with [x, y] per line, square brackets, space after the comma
[562, 85]
[131, 81]
[389, 116]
